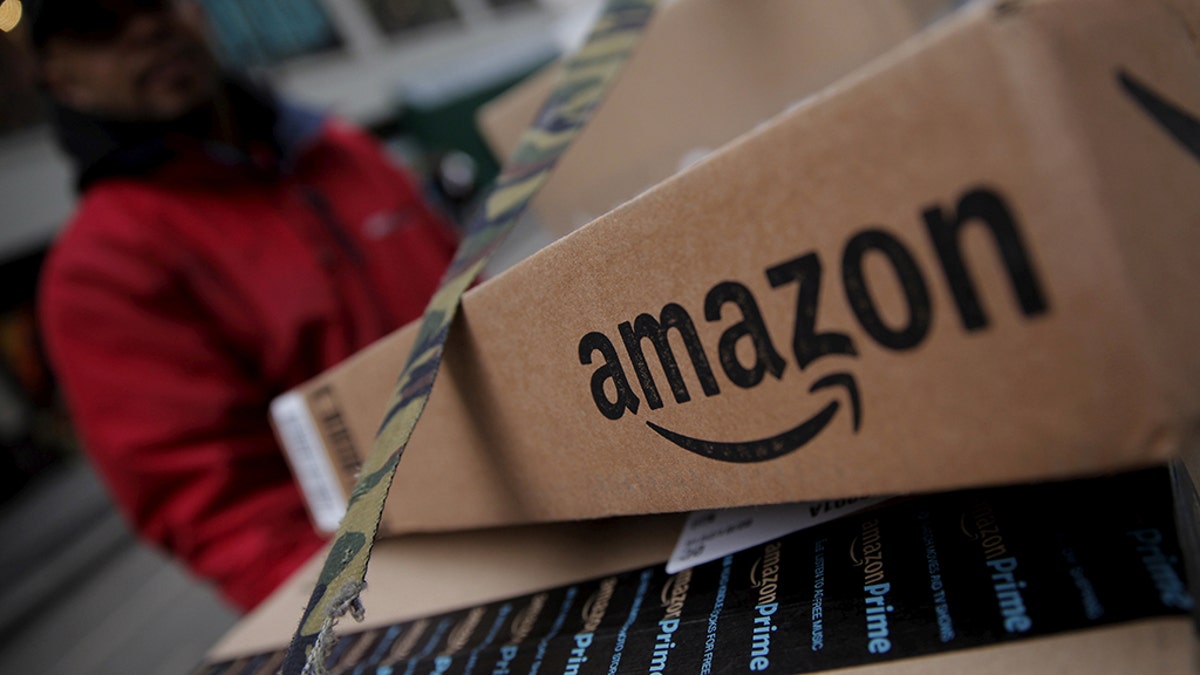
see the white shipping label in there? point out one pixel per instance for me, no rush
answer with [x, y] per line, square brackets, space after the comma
[311, 464]
[709, 535]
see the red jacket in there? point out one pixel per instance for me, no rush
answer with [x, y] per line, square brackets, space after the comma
[178, 303]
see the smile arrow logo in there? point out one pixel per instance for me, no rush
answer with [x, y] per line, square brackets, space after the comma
[763, 449]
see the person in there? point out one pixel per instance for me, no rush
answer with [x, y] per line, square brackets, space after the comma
[227, 246]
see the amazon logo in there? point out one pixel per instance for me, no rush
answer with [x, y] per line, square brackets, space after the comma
[746, 352]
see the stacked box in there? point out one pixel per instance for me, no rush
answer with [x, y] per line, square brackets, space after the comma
[985, 580]
[973, 250]
[971, 262]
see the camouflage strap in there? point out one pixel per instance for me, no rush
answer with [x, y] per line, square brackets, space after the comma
[586, 78]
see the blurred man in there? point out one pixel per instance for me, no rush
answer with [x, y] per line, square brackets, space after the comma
[227, 246]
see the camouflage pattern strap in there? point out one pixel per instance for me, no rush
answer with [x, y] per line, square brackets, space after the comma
[586, 78]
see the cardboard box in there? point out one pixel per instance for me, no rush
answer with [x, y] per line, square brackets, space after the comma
[1032, 579]
[973, 262]
[420, 575]
[706, 71]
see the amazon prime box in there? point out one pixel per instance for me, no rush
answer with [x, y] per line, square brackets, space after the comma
[974, 261]
[1083, 576]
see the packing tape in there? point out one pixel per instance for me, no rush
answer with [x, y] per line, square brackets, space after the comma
[585, 80]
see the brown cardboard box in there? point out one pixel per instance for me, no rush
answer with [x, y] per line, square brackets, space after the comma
[423, 574]
[707, 71]
[981, 249]
[739, 64]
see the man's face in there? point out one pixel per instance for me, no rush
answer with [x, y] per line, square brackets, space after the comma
[149, 62]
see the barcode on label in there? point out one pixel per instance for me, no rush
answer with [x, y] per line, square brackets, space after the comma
[311, 464]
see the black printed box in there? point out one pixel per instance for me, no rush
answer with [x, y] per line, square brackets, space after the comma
[925, 577]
